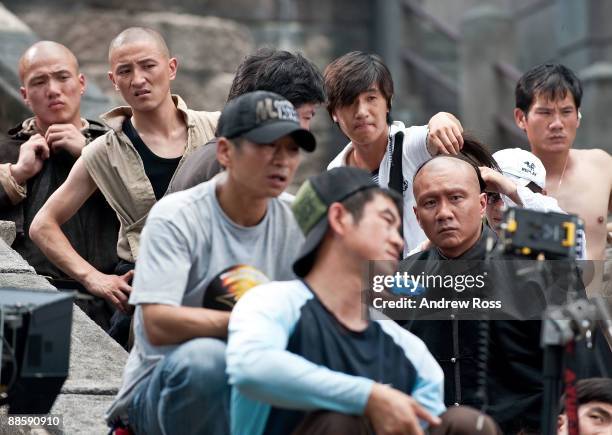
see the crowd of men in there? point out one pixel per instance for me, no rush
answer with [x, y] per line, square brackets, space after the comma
[241, 303]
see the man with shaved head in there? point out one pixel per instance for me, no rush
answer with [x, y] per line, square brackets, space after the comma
[132, 164]
[450, 203]
[40, 152]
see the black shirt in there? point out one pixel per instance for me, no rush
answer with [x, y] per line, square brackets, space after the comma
[515, 358]
[158, 170]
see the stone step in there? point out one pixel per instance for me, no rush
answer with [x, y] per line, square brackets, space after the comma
[96, 360]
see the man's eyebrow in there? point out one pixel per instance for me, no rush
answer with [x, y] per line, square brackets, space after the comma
[387, 212]
[123, 65]
[602, 411]
[37, 76]
[457, 189]
[61, 71]
[139, 61]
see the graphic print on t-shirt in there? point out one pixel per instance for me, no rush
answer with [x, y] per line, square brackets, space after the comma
[230, 285]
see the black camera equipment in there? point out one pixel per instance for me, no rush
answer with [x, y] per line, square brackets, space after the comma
[553, 236]
[528, 233]
[35, 328]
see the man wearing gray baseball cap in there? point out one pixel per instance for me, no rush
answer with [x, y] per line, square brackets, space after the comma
[202, 249]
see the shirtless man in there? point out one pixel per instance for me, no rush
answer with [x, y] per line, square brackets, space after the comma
[132, 164]
[548, 110]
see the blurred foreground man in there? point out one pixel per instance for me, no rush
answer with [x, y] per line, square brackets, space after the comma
[202, 249]
[305, 358]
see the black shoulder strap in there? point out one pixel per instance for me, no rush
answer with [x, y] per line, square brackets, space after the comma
[396, 177]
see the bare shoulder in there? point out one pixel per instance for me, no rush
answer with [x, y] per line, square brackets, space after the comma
[595, 158]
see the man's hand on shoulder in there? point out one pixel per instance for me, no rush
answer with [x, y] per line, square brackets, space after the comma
[67, 137]
[445, 134]
[113, 288]
[32, 155]
[392, 412]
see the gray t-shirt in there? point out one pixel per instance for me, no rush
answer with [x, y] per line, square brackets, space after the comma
[189, 247]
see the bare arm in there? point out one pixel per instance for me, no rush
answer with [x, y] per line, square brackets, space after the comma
[497, 182]
[169, 324]
[445, 134]
[45, 231]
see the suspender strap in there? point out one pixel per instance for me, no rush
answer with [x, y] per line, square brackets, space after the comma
[396, 177]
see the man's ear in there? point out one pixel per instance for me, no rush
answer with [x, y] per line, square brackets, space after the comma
[173, 65]
[111, 77]
[334, 117]
[520, 119]
[24, 95]
[562, 424]
[82, 83]
[416, 213]
[482, 198]
[223, 151]
[338, 218]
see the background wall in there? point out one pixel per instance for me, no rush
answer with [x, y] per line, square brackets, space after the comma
[462, 56]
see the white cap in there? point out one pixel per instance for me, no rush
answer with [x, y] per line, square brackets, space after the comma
[522, 166]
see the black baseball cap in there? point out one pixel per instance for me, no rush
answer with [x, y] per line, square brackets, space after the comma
[263, 117]
[312, 202]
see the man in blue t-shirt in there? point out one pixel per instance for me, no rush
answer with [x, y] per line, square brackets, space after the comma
[304, 357]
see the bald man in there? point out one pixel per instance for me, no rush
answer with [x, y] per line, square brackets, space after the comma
[132, 164]
[40, 152]
[450, 206]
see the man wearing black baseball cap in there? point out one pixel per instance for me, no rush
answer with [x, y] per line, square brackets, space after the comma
[201, 249]
[304, 357]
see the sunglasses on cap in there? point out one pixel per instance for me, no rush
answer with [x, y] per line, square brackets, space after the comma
[534, 187]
